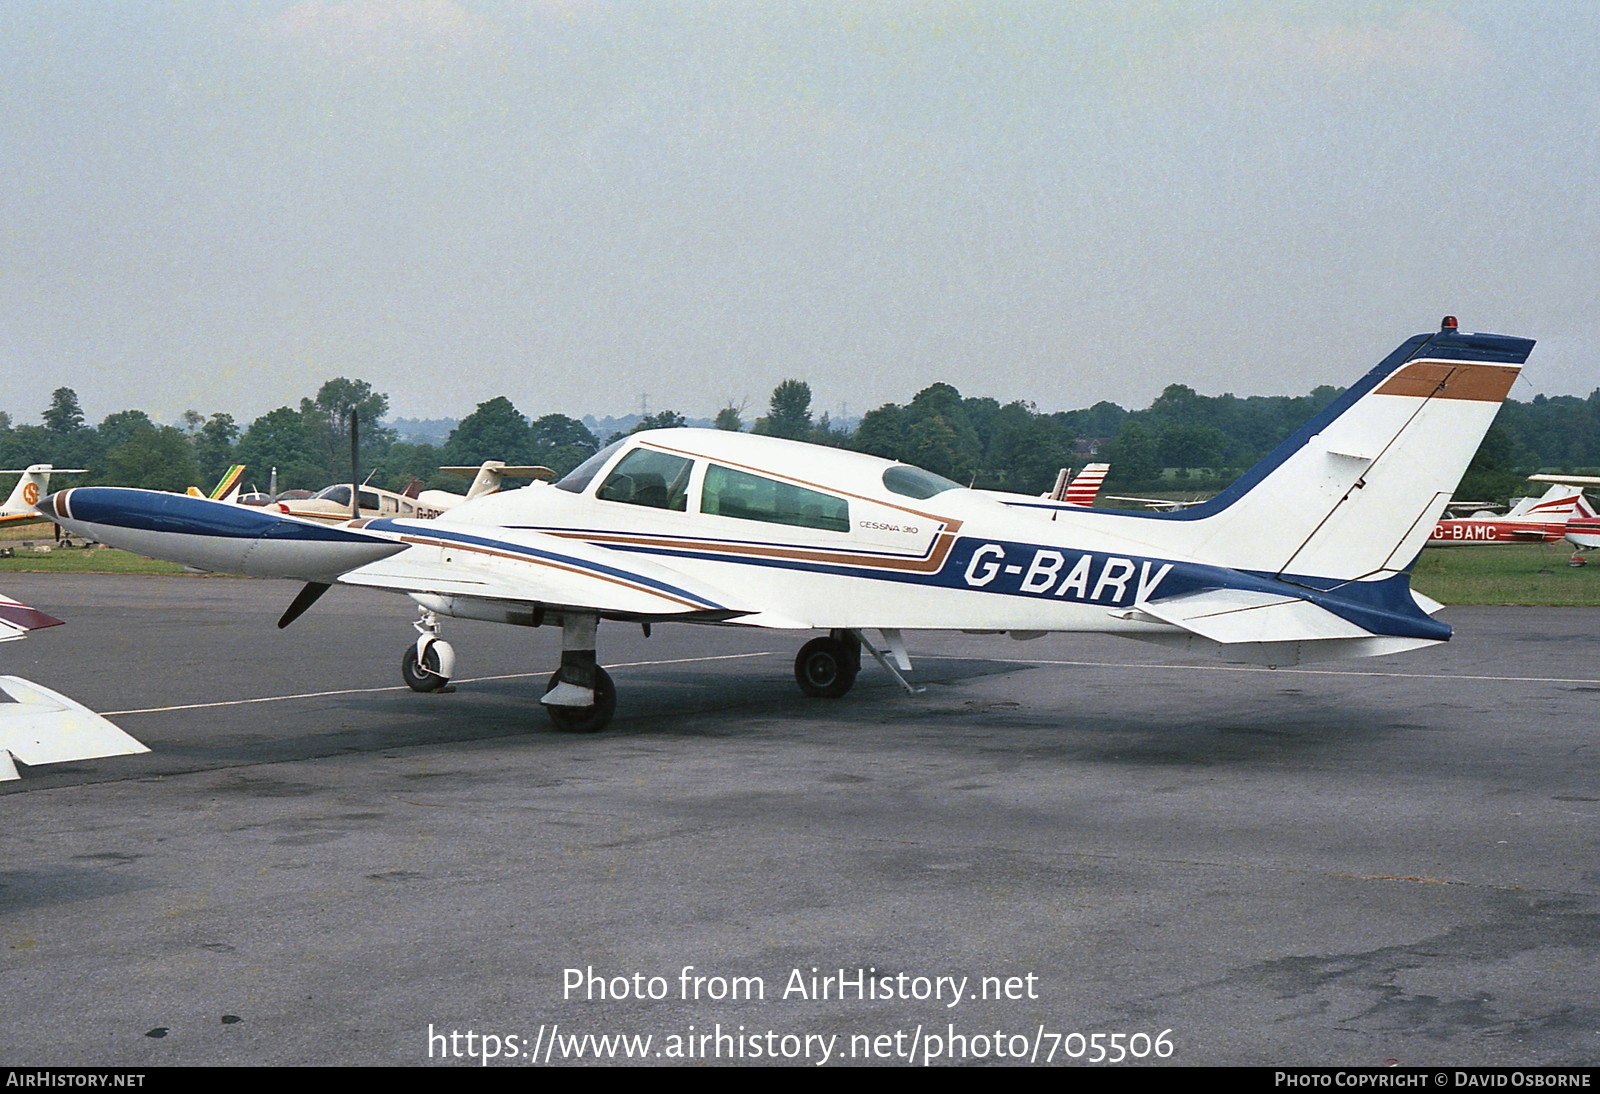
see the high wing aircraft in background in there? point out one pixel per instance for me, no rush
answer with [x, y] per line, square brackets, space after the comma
[333, 503]
[1531, 520]
[1305, 558]
[40, 726]
[33, 485]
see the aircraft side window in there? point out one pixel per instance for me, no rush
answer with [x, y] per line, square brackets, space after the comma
[730, 493]
[647, 477]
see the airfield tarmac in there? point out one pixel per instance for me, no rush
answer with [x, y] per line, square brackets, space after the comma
[1371, 861]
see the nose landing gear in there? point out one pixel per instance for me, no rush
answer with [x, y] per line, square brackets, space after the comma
[428, 663]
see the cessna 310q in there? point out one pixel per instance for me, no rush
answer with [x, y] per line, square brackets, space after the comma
[1306, 557]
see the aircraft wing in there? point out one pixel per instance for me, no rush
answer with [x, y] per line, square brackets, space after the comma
[447, 559]
[17, 619]
[40, 726]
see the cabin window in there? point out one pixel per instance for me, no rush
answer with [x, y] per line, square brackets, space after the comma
[647, 477]
[730, 493]
[914, 482]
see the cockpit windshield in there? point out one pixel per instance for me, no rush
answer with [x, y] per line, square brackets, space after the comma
[576, 480]
[914, 482]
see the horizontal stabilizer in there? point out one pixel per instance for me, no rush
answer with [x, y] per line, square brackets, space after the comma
[40, 726]
[1244, 615]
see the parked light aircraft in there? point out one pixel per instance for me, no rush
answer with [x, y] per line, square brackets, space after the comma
[1583, 529]
[40, 726]
[333, 503]
[1306, 557]
[33, 485]
[1531, 520]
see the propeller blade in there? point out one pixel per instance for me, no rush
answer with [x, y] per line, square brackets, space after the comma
[303, 600]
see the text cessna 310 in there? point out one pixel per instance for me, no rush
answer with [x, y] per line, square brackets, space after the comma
[1305, 558]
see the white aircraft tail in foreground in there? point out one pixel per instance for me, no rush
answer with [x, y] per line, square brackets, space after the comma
[1306, 557]
[40, 726]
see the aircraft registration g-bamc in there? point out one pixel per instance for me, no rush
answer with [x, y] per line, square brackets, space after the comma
[1305, 558]
[1531, 520]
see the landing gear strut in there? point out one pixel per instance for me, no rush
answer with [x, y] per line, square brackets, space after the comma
[826, 668]
[428, 663]
[580, 697]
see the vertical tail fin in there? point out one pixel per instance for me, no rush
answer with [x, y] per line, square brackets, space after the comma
[1354, 493]
[33, 485]
[1558, 505]
[227, 488]
[1086, 487]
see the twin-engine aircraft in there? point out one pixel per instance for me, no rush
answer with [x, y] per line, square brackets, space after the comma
[1306, 557]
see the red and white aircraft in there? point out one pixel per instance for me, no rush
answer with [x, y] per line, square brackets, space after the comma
[1531, 520]
[1583, 530]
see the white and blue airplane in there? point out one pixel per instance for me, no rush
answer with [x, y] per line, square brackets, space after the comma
[1305, 558]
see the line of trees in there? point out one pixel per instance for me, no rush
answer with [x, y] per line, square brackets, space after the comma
[1183, 441]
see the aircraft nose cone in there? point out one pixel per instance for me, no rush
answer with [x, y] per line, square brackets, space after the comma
[47, 506]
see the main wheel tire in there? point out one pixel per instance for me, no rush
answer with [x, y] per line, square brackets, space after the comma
[825, 668]
[586, 719]
[423, 677]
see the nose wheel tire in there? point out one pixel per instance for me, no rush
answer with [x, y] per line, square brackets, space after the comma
[585, 719]
[825, 668]
[422, 676]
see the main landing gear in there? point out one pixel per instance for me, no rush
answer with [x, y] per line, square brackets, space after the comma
[581, 697]
[826, 668]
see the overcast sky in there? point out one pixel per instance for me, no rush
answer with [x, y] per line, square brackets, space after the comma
[578, 203]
